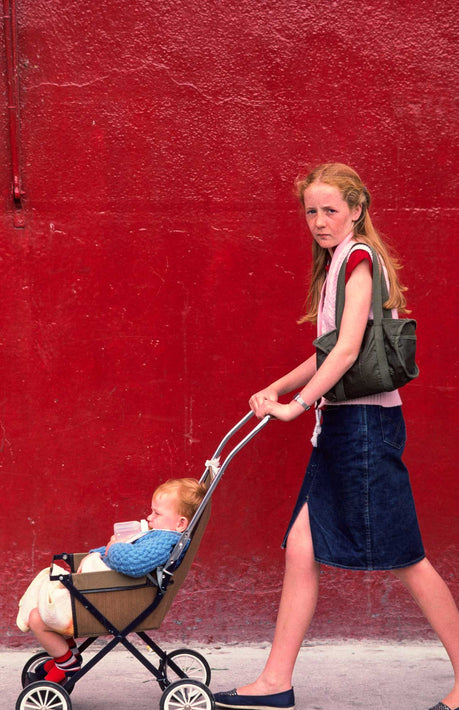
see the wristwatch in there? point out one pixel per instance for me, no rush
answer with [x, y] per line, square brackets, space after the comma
[298, 398]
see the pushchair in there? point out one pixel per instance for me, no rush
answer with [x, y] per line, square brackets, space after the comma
[107, 603]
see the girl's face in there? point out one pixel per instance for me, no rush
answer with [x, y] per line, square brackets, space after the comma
[328, 216]
[164, 514]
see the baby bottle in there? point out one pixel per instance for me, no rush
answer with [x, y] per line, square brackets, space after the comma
[129, 527]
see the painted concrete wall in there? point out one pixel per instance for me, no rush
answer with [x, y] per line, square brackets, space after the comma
[163, 263]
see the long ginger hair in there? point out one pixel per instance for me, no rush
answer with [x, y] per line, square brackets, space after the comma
[354, 192]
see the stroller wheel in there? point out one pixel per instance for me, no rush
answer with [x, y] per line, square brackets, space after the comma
[192, 663]
[44, 695]
[186, 695]
[31, 665]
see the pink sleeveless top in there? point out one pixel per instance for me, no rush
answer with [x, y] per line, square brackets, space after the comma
[326, 322]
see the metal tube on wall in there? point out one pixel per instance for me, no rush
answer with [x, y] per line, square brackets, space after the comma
[10, 34]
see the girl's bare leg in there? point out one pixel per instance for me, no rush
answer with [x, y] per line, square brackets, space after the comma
[297, 606]
[438, 606]
[52, 642]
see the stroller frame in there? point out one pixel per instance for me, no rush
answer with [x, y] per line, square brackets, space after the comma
[119, 634]
[151, 597]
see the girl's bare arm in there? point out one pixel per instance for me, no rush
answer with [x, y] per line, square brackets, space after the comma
[314, 382]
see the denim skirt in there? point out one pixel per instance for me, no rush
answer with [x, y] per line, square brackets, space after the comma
[361, 507]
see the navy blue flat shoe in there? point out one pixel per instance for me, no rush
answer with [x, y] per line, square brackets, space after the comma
[231, 699]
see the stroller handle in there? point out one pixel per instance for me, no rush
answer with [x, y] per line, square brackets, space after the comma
[185, 537]
[244, 441]
[222, 468]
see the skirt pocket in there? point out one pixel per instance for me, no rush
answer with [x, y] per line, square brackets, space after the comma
[393, 429]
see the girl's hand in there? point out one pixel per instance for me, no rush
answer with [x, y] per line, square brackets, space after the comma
[283, 412]
[258, 401]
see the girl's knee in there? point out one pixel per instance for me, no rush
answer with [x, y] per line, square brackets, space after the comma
[299, 542]
[421, 567]
[300, 549]
[419, 576]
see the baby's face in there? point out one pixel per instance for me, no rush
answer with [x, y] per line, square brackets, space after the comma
[164, 514]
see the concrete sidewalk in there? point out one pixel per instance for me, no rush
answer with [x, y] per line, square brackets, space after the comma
[328, 676]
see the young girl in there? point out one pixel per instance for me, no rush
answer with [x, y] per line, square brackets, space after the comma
[173, 505]
[355, 509]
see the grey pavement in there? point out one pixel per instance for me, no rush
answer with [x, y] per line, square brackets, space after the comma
[328, 676]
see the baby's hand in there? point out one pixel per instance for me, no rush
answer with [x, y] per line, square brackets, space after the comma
[111, 541]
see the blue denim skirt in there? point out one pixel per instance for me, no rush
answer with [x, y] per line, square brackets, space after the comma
[361, 507]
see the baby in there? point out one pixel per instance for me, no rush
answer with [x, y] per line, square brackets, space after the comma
[173, 506]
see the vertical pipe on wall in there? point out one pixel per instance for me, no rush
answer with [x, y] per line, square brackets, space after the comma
[10, 34]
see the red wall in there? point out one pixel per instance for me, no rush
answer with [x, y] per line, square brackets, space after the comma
[156, 283]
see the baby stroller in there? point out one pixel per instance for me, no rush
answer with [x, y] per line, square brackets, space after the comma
[111, 604]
